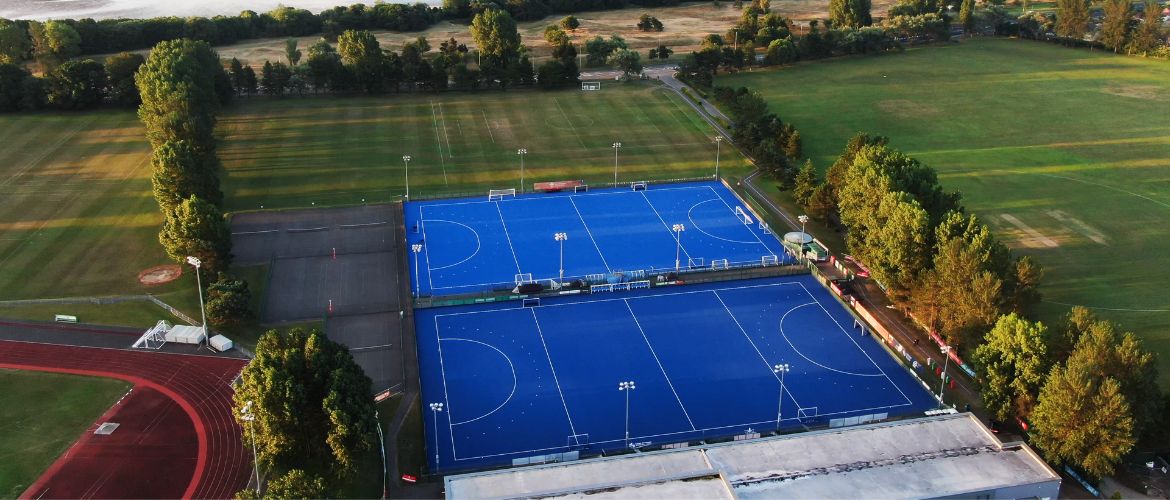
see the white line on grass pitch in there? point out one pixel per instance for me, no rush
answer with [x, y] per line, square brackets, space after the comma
[554, 372]
[439, 142]
[660, 367]
[569, 123]
[488, 125]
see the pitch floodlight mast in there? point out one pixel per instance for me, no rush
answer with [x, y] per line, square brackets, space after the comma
[561, 238]
[435, 409]
[803, 220]
[718, 141]
[780, 369]
[194, 261]
[616, 147]
[627, 387]
[406, 159]
[416, 248]
[678, 229]
[247, 416]
[521, 152]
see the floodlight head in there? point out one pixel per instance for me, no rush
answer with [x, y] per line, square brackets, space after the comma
[803, 219]
[617, 145]
[718, 138]
[945, 349]
[194, 261]
[522, 151]
[416, 248]
[678, 228]
[780, 368]
[436, 406]
[247, 408]
[405, 157]
[561, 236]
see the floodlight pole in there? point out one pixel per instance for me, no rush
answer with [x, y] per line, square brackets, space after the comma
[521, 152]
[194, 261]
[678, 229]
[780, 369]
[561, 237]
[946, 350]
[406, 160]
[718, 141]
[435, 409]
[803, 220]
[416, 248]
[249, 417]
[627, 387]
[616, 147]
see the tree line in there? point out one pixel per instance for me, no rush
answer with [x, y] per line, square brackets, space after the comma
[116, 35]
[773, 144]
[1090, 392]
[181, 90]
[1123, 28]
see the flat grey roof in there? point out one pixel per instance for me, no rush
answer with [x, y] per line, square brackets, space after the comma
[926, 457]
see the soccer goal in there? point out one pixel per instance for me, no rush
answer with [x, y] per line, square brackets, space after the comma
[765, 227]
[743, 216]
[590, 85]
[581, 189]
[805, 414]
[769, 260]
[531, 302]
[718, 264]
[499, 194]
[695, 262]
[523, 278]
[638, 185]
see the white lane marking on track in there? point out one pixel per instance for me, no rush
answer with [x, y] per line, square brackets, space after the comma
[784, 335]
[660, 367]
[511, 366]
[540, 332]
[700, 228]
[469, 257]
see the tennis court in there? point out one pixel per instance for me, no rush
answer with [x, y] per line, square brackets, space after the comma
[470, 245]
[518, 380]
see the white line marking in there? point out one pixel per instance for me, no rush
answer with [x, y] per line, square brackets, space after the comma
[306, 229]
[606, 192]
[509, 238]
[1034, 236]
[443, 118]
[370, 347]
[850, 337]
[660, 367]
[469, 257]
[570, 123]
[673, 235]
[426, 248]
[367, 224]
[446, 398]
[728, 205]
[510, 366]
[488, 125]
[806, 358]
[439, 142]
[700, 228]
[540, 332]
[590, 233]
[266, 231]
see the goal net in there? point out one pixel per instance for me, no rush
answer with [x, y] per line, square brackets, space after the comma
[694, 262]
[720, 264]
[524, 278]
[743, 216]
[499, 194]
[638, 186]
[805, 414]
[769, 260]
[590, 85]
[765, 227]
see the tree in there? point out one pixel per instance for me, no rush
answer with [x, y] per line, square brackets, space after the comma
[14, 43]
[296, 484]
[311, 402]
[570, 23]
[197, 228]
[54, 42]
[1082, 418]
[805, 184]
[229, 302]
[323, 63]
[663, 51]
[77, 85]
[793, 146]
[236, 70]
[967, 15]
[120, 69]
[1011, 364]
[361, 52]
[291, 52]
[180, 172]
[598, 50]
[275, 78]
[1115, 26]
[555, 36]
[649, 23]
[12, 82]
[850, 13]
[626, 60]
[1025, 288]
[781, 51]
[1072, 19]
[1149, 34]
[495, 34]
[179, 99]
[249, 81]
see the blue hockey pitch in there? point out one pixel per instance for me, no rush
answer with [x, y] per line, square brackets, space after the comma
[519, 381]
[471, 245]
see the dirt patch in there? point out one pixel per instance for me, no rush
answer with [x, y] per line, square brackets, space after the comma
[903, 108]
[1144, 92]
[158, 275]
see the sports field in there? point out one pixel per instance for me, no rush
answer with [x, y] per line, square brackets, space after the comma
[53, 410]
[295, 152]
[519, 382]
[473, 244]
[1064, 152]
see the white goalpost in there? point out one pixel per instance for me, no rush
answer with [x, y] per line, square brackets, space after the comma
[743, 216]
[499, 194]
[590, 85]
[638, 185]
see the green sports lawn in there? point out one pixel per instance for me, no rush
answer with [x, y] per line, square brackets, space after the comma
[1066, 153]
[299, 151]
[53, 410]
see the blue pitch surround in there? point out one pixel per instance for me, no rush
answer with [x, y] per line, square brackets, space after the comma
[523, 381]
[472, 245]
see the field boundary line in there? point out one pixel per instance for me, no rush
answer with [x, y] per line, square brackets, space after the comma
[487, 125]
[810, 360]
[767, 365]
[590, 233]
[446, 397]
[673, 235]
[478, 245]
[511, 366]
[508, 237]
[659, 362]
[439, 143]
[569, 123]
[446, 136]
[732, 210]
[564, 404]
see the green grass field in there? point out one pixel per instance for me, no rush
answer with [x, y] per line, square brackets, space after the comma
[53, 411]
[1066, 153]
[298, 151]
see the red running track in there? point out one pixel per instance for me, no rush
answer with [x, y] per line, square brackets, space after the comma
[197, 386]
